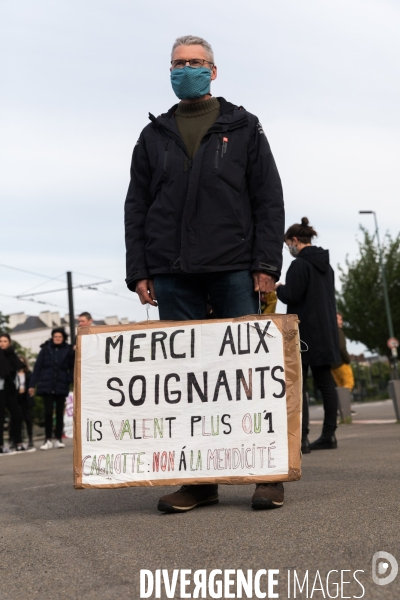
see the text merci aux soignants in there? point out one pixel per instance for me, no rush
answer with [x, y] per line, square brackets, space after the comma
[162, 346]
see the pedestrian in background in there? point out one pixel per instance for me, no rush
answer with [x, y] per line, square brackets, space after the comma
[25, 401]
[342, 371]
[10, 364]
[85, 319]
[53, 374]
[309, 292]
[268, 303]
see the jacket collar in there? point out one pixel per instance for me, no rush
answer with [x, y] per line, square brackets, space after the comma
[230, 117]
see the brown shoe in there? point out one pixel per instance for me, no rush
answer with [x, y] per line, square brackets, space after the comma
[267, 495]
[188, 497]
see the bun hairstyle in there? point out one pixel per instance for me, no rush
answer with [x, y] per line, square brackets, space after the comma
[302, 231]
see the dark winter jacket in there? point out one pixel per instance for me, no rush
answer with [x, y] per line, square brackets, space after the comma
[221, 211]
[9, 365]
[54, 369]
[309, 292]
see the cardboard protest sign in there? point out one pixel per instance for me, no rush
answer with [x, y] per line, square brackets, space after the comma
[167, 402]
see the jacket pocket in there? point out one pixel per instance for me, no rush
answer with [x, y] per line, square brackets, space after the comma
[233, 177]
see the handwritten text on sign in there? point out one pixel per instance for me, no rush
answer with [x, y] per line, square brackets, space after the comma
[194, 401]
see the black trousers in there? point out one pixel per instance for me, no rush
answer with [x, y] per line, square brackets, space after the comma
[325, 383]
[49, 401]
[25, 405]
[8, 399]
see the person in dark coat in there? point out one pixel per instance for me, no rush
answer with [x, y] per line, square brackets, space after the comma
[204, 217]
[204, 212]
[53, 374]
[309, 292]
[9, 366]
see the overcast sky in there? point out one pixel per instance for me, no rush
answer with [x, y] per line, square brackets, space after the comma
[78, 81]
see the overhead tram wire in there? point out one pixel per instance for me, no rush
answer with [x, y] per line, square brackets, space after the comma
[43, 283]
[86, 275]
[83, 286]
[40, 302]
[57, 278]
[36, 301]
[114, 294]
[43, 302]
[29, 272]
[26, 297]
[106, 291]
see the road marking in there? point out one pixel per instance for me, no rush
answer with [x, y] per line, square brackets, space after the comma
[363, 422]
[376, 403]
[35, 487]
[374, 421]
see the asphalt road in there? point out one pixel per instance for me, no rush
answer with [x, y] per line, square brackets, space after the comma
[57, 542]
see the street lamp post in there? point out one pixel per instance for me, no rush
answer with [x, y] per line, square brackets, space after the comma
[385, 288]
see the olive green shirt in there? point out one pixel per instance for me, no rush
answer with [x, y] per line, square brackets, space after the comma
[194, 120]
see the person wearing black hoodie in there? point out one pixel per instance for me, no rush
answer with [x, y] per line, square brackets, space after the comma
[53, 374]
[309, 292]
[9, 366]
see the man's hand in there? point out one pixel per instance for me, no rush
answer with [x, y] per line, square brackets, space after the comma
[31, 392]
[263, 282]
[145, 290]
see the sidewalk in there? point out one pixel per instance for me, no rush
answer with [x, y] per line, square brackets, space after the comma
[367, 413]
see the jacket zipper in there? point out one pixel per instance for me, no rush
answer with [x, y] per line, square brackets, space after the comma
[171, 134]
[166, 156]
[219, 143]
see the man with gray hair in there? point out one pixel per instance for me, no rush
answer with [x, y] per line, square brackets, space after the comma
[204, 217]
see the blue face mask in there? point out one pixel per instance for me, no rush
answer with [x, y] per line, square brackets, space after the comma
[190, 82]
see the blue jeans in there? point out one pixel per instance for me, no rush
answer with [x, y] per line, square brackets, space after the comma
[184, 297]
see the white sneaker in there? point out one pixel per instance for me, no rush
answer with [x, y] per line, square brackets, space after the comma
[59, 444]
[47, 445]
[4, 451]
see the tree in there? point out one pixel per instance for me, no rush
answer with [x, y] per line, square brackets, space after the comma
[361, 300]
[25, 352]
[3, 322]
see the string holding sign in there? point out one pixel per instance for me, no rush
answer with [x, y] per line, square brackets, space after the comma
[306, 345]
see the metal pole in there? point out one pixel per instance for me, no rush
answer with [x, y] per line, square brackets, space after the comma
[71, 308]
[384, 283]
[386, 298]
[385, 290]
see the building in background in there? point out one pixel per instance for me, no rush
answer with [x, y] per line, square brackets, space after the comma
[32, 331]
